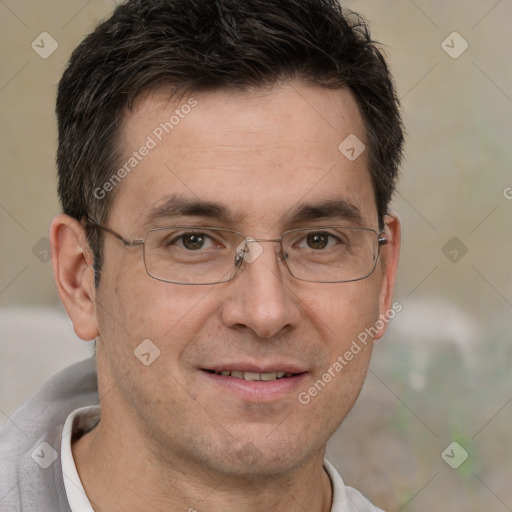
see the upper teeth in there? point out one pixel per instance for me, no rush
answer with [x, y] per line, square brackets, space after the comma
[254, 376]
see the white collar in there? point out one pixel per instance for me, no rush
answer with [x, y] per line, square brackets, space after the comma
[78, 501]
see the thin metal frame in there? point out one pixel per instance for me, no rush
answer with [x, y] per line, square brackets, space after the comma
[381, 240]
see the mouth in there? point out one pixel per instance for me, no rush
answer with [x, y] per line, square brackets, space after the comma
[254, 376]
[256, 384]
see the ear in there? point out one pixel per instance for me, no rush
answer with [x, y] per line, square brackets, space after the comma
[389, 256]
[74, 274]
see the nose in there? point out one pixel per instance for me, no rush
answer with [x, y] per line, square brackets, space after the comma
[261, 296]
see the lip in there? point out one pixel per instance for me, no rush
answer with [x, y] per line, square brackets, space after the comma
[256, 391]
[250, 367]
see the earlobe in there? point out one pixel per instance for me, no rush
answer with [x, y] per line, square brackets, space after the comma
[74, 274]
[390, 255]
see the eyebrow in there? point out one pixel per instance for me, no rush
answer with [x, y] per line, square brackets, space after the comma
[174, 206]
[181, 206]
[326, 209]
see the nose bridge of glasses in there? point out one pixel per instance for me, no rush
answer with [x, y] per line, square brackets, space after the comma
[257, 241]
[250, 249]
[250, 239]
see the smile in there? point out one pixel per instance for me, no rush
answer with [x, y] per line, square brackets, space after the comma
[253, 376]
[257, 383]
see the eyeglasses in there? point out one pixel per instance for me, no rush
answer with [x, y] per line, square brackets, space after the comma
[209, 255]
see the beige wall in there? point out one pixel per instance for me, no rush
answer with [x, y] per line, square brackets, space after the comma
[28, 198]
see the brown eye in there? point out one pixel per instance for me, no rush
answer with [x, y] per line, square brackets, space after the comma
[318, 240]
[193, 241]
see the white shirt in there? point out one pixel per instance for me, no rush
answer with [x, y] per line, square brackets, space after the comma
[345, 499]
[75, 492]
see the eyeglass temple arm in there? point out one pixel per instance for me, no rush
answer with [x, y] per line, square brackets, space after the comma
[112, 232]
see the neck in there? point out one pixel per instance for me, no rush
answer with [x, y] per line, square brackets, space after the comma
[149, 483]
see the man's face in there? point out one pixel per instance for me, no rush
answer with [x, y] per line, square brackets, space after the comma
[259, 156]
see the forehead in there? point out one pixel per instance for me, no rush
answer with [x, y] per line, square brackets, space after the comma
[259, 154]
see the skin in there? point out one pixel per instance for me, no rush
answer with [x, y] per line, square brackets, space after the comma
[181, 440]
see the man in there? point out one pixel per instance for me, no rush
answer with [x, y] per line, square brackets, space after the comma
[225, 171]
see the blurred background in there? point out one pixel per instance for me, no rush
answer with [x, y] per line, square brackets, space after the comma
[432, 427]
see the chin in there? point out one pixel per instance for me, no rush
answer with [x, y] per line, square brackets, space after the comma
[266, 455]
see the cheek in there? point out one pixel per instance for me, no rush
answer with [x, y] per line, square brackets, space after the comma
[341, 311]
[145, 321]
[138, 308]
[342, 315]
